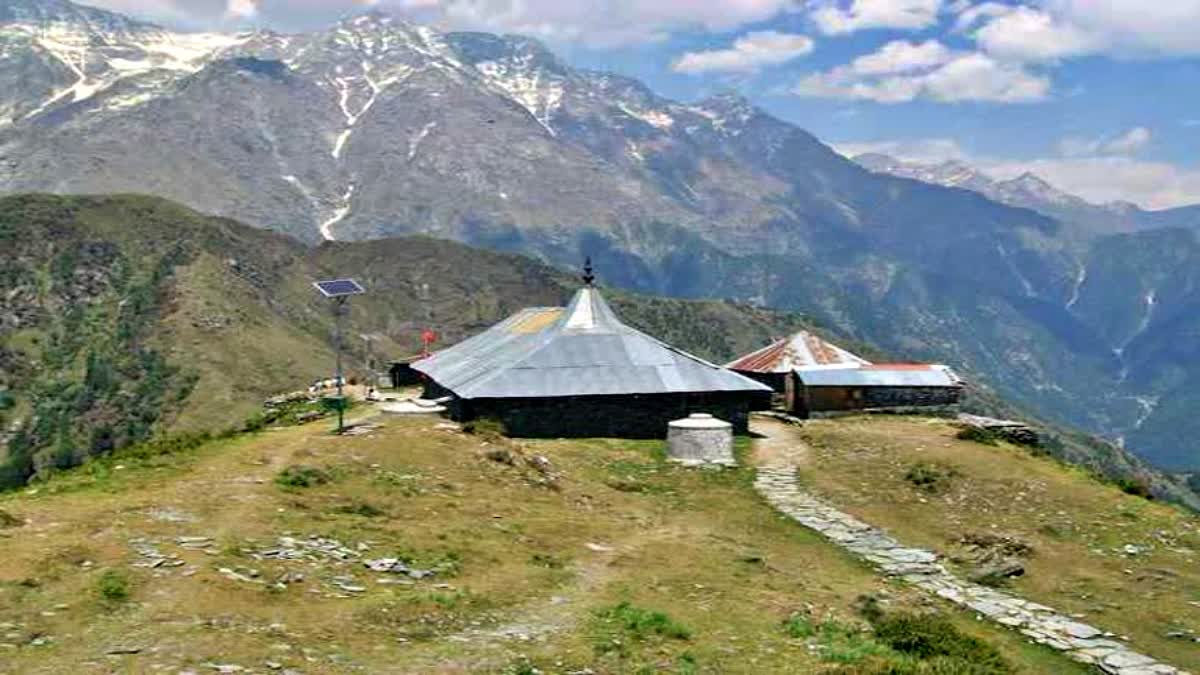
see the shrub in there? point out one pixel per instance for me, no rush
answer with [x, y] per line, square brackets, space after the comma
[360, 508]
[637, 624]
[547, 560]
[8, 520]
[936, 640]
[487, 428]
[112, 587]
[932, 478]
[837, 642]
[301, 476]
[1136, 486]
[257, 422]
[522, 666]
[978, 435]
[799, 626]
[171, 444]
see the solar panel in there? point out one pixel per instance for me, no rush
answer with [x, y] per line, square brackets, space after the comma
[337, 288]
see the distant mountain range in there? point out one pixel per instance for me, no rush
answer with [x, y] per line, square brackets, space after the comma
[1032, 192]
[377, 127]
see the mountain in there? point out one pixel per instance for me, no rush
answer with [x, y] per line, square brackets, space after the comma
[1032, 192]
[378, 128]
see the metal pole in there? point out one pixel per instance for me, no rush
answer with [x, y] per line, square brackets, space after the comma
[369, 365]
[339, 308]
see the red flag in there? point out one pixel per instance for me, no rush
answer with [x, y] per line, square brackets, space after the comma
[428, 337]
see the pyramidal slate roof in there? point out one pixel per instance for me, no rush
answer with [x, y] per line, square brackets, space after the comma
[583, 350]
[800, 351]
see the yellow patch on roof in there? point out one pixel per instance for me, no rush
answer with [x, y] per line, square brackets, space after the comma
[534, 322]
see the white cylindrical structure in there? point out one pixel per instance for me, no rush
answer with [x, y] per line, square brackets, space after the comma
[700, 439]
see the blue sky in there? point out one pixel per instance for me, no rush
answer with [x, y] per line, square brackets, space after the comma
[1101, 97]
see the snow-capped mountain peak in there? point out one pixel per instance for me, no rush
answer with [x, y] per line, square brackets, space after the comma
[68, 54]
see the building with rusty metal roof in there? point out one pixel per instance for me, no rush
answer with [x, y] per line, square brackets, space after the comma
[580, 371]
[772, 364]
[817, 376]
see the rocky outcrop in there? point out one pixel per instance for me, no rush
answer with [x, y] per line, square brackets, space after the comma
[1009, 430]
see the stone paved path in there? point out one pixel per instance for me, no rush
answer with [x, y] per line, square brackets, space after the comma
[777, 483]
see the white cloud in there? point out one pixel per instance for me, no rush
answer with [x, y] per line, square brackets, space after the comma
[900, 56]
[608, 23]
[748, 53]
[593, 22]
[1129, 143]
[1162, 27]
[1027, 34]
[962, 77]
[923, 150]
[1049, 30]
[241, 9]
[970, 14]
[836, 17]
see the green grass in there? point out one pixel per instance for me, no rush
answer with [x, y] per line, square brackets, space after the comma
[621, 628]
[978, 435]
[932, 637]
[301, 476]
[8, 520]
[901, 643]
[931, 477]
[359, 507]
[113, 587]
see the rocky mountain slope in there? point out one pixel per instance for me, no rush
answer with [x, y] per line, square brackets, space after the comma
[376, 128]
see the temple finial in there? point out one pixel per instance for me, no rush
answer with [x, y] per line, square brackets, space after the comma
[589, 279]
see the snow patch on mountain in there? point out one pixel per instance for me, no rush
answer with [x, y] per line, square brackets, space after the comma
[339, 214]
[414, 143]
[1080, 279]
[522, 81]
[654, 118]
[98, 58]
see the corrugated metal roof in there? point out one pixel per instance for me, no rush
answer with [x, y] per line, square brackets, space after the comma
[798, 351]
[584, 351]
[890, 375]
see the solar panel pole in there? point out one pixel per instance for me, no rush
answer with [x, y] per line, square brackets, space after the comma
[339, 291]
[339, 310]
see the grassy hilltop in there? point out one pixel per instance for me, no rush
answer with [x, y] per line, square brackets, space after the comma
[601, 556]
